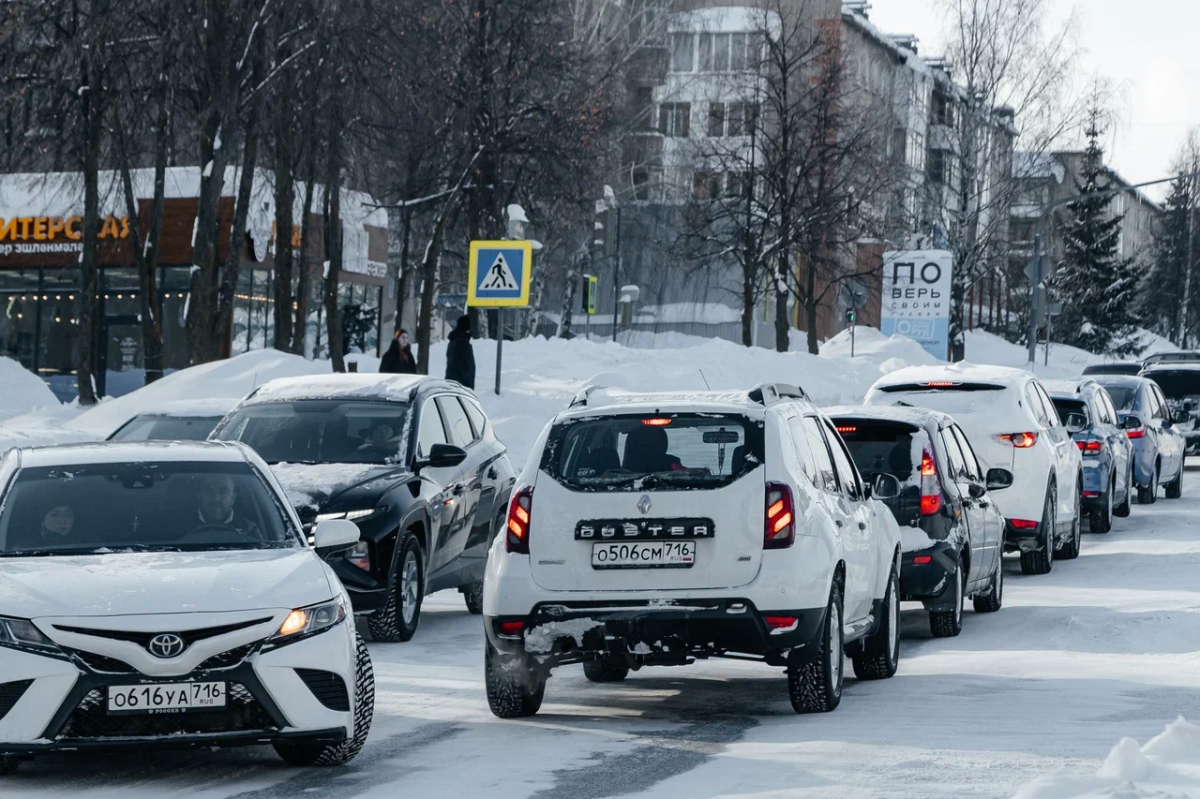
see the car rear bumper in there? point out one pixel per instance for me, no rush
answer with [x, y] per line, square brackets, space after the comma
[927, 581]
[659, 632]
[1022, 539]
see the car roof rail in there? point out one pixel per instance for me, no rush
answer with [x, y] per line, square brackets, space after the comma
[770, 393]
[581, 399]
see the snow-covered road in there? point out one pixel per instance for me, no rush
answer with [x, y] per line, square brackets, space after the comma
[1104, 647]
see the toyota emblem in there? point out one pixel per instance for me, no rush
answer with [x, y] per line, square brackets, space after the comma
[167, 645]
[644, 504]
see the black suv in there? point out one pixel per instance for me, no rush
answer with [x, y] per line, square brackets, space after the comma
[411, 460]
[951, 533]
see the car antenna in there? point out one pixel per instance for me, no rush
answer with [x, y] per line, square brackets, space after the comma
[705, 379]
[255, 382]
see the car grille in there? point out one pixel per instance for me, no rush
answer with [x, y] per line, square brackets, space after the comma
[11, 693]
[108, 665]
[227, 660]
[327, 687]
[90, 719]
[103, 664]
[143, 639]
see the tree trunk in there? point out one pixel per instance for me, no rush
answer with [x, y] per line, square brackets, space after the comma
[285, 221]
[226, 295]
[568, 304]
[201, 299]
[430, 265]
[333, 259]
[88, 266]
[810, 309]
[748, 275]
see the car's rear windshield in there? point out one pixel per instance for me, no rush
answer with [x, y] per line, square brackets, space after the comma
[172, 506]
[1066, 407]
[975, 398]
[1177, 383]
[887, 447]
[321, 431]
[635, 452]
[167, 428]
[1123, 397]
[1113, 369]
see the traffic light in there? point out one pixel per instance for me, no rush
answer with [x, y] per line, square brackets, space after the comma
[590, 286]
[604, 243]
[851, 316]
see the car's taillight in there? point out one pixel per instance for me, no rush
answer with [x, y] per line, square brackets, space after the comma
[1138, 433]
[1090, 447]
[510, 629]
[931, 487]
[520, 511]
[1019, 440]
[780, 530]
[1023, 524]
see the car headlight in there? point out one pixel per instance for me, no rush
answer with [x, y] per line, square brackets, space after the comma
[22, 634]
[303, 622]
[352, 515]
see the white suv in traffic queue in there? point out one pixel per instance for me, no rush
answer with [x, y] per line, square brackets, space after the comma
[162, 595]
[1012, 424]
[655, 529]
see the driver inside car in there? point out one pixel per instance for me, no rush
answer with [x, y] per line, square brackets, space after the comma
[381, 439]
[215, 506]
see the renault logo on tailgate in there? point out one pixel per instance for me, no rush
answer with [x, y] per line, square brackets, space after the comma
[167, 645]
[644, 504]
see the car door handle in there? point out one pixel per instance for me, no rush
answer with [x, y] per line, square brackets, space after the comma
[983, 503]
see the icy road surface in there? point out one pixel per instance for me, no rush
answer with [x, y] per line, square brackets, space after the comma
[1104, 647]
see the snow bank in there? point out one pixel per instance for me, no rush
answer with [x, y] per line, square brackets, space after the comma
[21, 391]
[1167, 766]
[1065, 361]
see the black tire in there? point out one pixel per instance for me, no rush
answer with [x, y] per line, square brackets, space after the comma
[8, 765]
[396, 621]
[816, 686]
[605, 670]
[1148, 495]
[878, 657]
[948, 623]
[1041, 561]
[514, 690]
[993, 600]
[473, 595]
[1175, 487]
[1070, 550]
[1100, 520]
[1122, 511]
[308, 754]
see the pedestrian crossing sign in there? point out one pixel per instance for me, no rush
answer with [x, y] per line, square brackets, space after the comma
[498, 274]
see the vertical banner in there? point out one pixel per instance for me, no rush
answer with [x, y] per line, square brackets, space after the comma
[915, 300]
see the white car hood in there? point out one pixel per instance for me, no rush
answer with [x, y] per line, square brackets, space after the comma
[120, 584]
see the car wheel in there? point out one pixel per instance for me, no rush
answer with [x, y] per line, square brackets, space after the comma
[473, 594]
[1149, 494]
[879, 655]
[1100, 520]
[816, 686]
[948, 623]
[994, 598]
[1041, 561]
[1070, 550]
[514, 690]
[1122, 510]
[607, 669]
[398, 619]
[1175, 487]
[8, 765]
[305, 753]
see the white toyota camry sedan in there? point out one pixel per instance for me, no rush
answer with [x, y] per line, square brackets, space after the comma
[163, 594]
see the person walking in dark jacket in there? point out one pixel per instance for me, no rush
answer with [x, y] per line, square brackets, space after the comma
[460, 357]
[399, 358]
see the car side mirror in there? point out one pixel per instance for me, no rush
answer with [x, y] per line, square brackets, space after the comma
[335, 534]
[885, 486]
[441, 456]
[1076, 423]
[999, 479]
[976, 491]
[1132, 423]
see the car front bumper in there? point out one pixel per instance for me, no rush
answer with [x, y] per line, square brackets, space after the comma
[286, 692]
[658, 632]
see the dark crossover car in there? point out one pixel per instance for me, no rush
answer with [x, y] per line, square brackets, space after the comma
[1107, 488]
[1117, 368]
[951, 532]
[1181, 356]
[1180, 384]
[182, 420]
[1158, 447]
[411, 460]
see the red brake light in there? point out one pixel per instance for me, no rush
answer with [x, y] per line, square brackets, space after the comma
[1023, 524]
[511, 629]
[844, 429]
[940, 384]
[519, 512]
[780, 526]
[931, 487]
[922, 560]
[1090, 447]
[656, 422]
[1139, 433]
[781, 624]
[1019, 440]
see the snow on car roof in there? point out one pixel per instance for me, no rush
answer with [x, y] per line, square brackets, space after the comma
[1171, 366]
[920, 417]
[339, 386]
[208, 406]
[1127, 381]
[132, 452]
[956, 372]
[617, 400]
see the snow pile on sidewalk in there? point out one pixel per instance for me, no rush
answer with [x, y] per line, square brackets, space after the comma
[22, 391]
[1167, 766]
[1065, 361]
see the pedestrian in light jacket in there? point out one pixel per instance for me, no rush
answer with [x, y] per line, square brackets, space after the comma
[460, 357]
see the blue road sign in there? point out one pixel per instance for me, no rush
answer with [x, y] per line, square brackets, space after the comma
[498, 274]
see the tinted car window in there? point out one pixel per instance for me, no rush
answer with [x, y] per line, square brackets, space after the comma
[973, 469]
[845, 467]
[633, 452]
[1123, 397]
[1066, 407]
[1177, 384]
[820, 450]
[171, 506]
[886, 447]
[166, 428]
[431, 431]
[320, 431]
[1051, 414]
[457, 424]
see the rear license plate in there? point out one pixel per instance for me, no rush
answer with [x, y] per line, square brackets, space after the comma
[647, 555]
[166, 698]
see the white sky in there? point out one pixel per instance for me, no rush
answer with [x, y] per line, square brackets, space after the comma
[1145, 47]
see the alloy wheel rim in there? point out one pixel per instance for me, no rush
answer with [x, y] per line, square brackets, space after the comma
[835, 651]
[408, 588]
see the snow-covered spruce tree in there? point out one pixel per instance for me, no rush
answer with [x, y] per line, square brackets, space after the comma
[1096, 286]
[1162, 290]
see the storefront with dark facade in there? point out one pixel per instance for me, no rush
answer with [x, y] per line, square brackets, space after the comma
[40, 247]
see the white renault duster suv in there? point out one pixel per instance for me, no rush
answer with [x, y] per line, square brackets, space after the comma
[655, 529]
